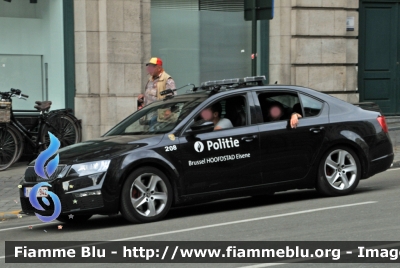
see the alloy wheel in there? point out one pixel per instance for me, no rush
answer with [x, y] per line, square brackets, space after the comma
[340, 169]
[149, 195]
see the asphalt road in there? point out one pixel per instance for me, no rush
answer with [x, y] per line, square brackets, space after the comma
[371, 213]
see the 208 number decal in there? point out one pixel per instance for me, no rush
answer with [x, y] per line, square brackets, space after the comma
[170, 148]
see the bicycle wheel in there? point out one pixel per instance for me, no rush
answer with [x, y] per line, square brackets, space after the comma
[73, 118]
[21, 142]
[8, 147]
[61, 126]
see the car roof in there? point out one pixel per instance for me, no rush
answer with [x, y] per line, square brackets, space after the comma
[226, 87]
[336, 106]
[308, 91]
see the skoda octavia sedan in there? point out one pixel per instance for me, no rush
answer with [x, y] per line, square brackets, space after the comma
[167, 155]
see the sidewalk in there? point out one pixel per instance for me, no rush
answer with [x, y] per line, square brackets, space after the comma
[9, 196]
[394, 132]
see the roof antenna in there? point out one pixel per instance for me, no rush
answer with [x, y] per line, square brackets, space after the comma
[276, 82]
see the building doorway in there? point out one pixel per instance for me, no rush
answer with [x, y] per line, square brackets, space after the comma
[379, 54]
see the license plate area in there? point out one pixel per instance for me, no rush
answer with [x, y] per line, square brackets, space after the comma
[41, 193]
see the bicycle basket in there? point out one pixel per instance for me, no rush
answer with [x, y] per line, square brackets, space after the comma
[5, 111]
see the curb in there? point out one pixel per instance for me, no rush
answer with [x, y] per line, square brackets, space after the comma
[396, 164]
[9, 215]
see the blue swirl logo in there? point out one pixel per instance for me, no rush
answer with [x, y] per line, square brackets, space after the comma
[35, 203]
[44, 156]
[45, 172]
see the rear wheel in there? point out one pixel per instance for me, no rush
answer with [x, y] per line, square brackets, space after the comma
[146, 195]
[63, 127]
[8, 147]
[339, 172]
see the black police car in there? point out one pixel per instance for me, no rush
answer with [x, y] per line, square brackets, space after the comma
[165, 155]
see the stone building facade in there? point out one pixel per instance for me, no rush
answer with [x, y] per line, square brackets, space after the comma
[112, 43]
[309, 46]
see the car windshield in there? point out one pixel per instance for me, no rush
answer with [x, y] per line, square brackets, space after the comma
[156, 118]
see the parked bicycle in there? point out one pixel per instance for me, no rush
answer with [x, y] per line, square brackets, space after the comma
[13, 135]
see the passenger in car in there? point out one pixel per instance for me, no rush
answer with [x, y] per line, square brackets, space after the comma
[296, 115]
[213, 114]
[276, 113]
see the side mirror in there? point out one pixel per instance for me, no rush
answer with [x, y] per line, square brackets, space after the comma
[201, 127]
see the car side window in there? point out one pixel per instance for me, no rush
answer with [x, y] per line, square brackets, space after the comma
[232, 112]
[311, 107]
[235, 110]
[278, 106]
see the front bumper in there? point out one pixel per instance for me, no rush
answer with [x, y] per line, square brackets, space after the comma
[77, 195]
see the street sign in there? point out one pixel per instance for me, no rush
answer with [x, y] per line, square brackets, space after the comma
[264, 9]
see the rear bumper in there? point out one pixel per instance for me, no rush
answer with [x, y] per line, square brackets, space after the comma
[380, 164]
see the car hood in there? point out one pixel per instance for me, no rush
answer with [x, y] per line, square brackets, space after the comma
[105, 148]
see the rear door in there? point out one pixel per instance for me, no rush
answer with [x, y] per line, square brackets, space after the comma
[287, 154]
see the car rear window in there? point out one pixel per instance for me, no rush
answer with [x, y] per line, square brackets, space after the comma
[312, 107]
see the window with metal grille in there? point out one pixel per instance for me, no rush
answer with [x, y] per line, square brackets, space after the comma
[175, 4]
[209, 5]
[222, 5]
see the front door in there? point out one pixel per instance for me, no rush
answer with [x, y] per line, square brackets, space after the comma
[222, 159]
[379, 57]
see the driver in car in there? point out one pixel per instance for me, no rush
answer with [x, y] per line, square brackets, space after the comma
[213, 114]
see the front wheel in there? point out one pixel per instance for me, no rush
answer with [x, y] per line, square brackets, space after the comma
[339, 172]
[8, 147]
[146, 196]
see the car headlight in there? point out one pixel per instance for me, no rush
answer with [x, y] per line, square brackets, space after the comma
[85, 169]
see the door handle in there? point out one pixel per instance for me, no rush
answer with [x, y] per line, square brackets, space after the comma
[249, 138]
[316, 129]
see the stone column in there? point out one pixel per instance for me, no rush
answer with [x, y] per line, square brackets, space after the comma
[280, 37]
[112, 43]
[309, 45]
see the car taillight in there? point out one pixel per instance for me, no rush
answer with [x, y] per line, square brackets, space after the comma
[382, 122]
